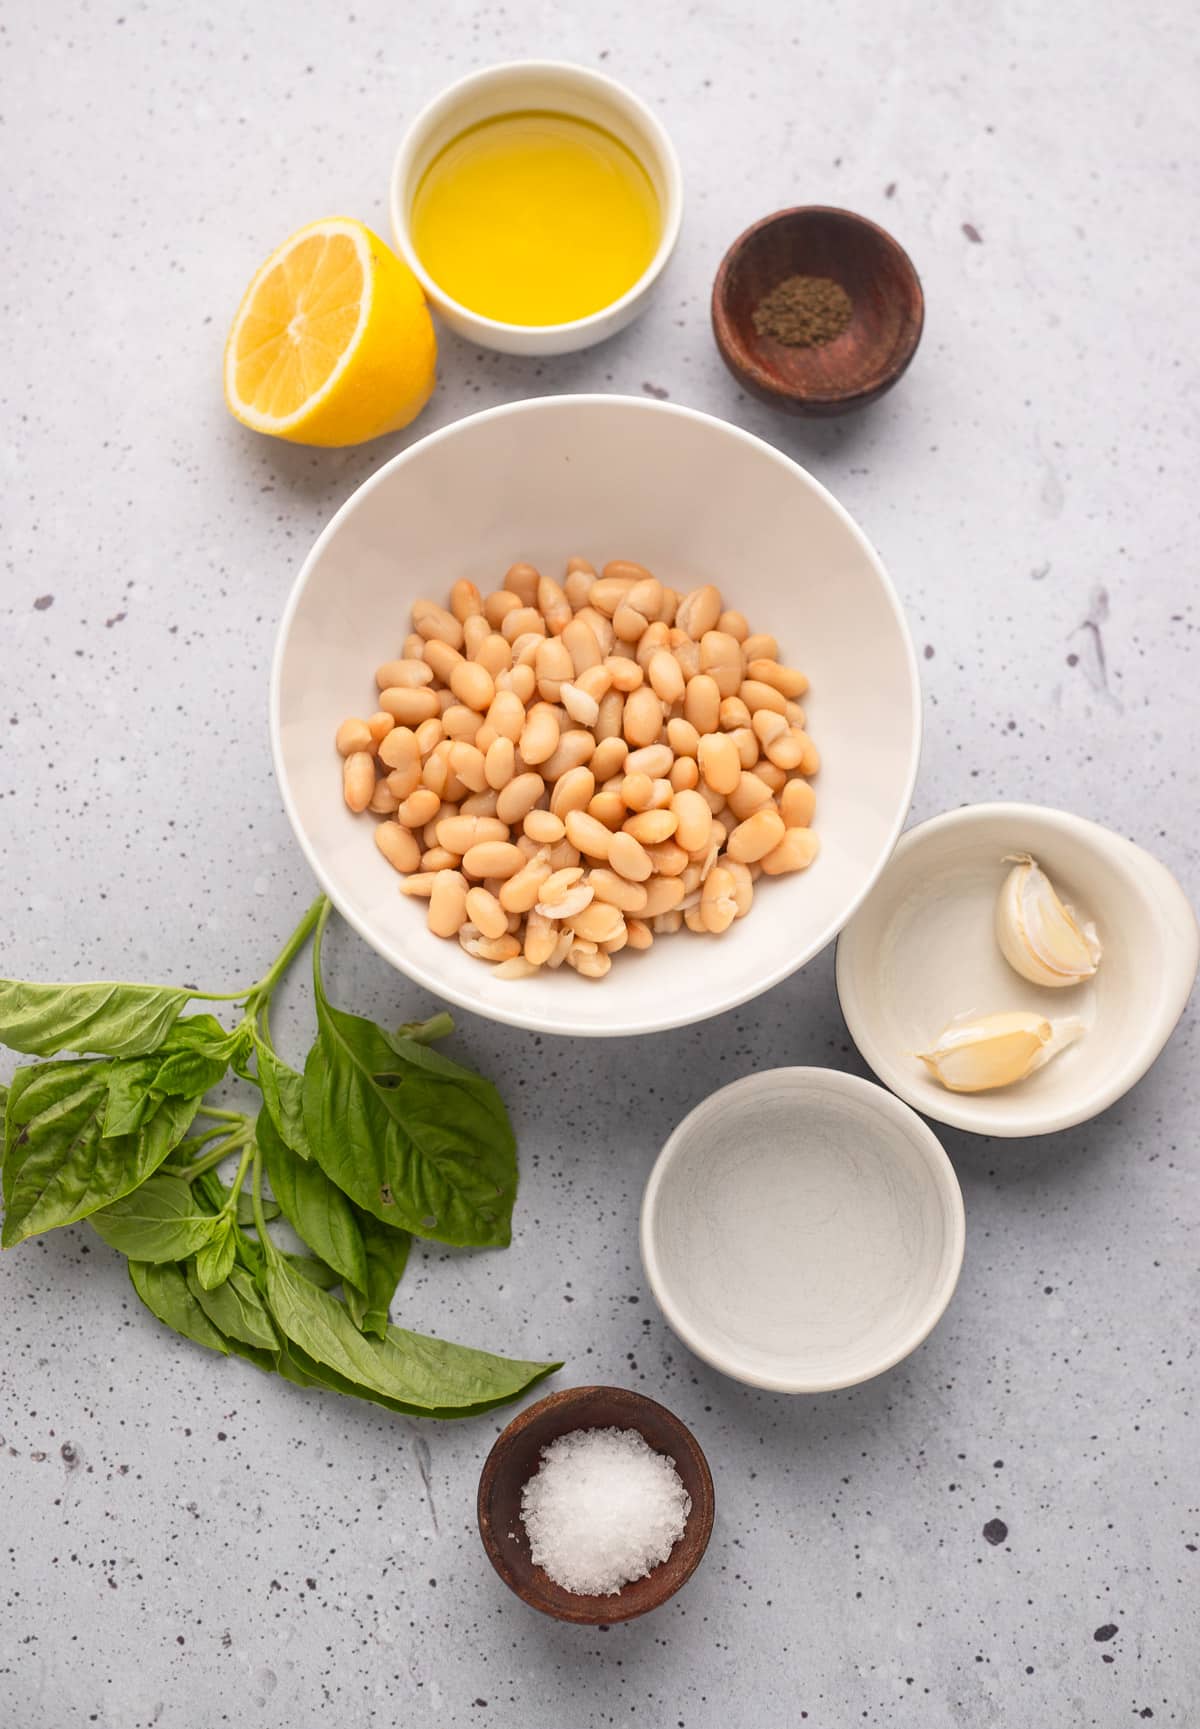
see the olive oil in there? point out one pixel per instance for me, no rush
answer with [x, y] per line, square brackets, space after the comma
[535, 218]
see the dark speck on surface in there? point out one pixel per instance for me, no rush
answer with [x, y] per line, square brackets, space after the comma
[928, 651]
[1105, 1633]
[43, 602]
[972, 233]
[889, 190]
[995, 1531]
[656, 391]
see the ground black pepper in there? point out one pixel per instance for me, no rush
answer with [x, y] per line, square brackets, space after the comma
[803, 311]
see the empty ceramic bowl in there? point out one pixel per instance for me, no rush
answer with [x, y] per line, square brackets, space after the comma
[887, 310]
[802, 1230]
[696, 501]
[923, 951]
[515, 1458]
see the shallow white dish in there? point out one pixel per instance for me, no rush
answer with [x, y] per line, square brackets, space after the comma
[695, 500]
[922, 950]
[802, 1230]
[565, 89]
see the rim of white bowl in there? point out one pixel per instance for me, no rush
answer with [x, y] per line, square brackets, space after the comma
[937, 1164]
[447, 100]
[977, 1112]
[514, 1015]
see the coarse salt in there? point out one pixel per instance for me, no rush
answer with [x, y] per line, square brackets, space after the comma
[602, 1509]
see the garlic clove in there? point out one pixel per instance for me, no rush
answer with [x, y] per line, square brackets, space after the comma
[1039, 936]
[975, 1056]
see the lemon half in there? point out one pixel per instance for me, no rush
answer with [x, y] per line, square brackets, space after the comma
[333, 343]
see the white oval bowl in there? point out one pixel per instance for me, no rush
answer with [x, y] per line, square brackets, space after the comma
[802, 1230]
[923, 951]
[565, 89]
[697, 501]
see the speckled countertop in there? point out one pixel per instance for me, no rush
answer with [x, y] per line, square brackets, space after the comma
[1005, 1529]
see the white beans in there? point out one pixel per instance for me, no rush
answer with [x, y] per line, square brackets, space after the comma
[447, 903]
[354, 735]
[358, 779]
[486, 913]
[564, 769]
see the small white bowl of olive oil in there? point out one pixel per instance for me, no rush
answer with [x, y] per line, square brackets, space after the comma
[537, 204]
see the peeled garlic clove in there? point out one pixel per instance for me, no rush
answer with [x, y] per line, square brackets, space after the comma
[974, 1056]
[1039, 937]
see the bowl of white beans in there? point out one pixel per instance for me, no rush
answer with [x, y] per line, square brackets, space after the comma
[594, 714]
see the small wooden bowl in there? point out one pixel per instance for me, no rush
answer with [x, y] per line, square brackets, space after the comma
[872, 352]
[517, 1455]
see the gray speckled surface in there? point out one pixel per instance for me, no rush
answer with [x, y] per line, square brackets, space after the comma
[186, 1542]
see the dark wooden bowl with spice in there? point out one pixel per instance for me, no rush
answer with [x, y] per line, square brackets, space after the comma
[816, 310]
[516, 1457]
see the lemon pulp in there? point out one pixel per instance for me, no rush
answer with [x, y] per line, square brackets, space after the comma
[333, 343]
[535, 218]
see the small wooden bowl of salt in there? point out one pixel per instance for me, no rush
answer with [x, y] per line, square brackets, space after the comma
[595, 1505]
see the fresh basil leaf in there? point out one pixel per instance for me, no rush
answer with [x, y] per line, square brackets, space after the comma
[236, 1309]
[242, 1051]
[138, 1084]
[210, 1192]
[316, 1209]
[164, 1290]
[316, 1272]
[130, 1101]
[245, 1209]
[262, 1360]
[416, 1140]
[301, 1371]
[59, 1165]
[215, 1259]
[422, 1374]
[206, 1035]
[189, 1073]
[295, 1366]
[113, 1019]
[283, 1095]
[387, 1255]
[157, 1222]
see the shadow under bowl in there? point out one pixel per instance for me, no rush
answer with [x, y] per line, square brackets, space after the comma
[516, 1457]
[857, 367]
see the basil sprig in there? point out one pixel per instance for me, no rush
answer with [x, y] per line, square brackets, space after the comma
[379, 1140]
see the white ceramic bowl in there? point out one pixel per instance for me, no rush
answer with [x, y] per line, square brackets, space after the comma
[695, 500]
[802, 1230]
[565, 89]
[922, 951]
